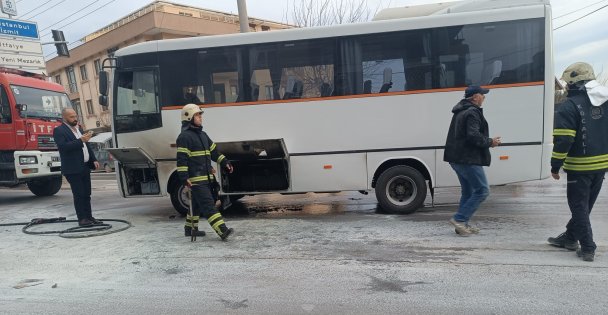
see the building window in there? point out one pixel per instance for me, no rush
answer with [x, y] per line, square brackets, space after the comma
[76, 107]
[83, 73]
[58, 79]
[185, 13]
[69, 71]
[97, 65]
[265, 28]
[90, 110]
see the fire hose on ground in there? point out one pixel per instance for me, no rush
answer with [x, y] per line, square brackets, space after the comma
[73, 232]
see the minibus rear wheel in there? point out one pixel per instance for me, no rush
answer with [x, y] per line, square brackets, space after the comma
[401, 190]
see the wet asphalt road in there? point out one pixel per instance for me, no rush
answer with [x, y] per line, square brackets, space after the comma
[301, 254]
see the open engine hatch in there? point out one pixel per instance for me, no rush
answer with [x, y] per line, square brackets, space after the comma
[138, 169]
[259, 166]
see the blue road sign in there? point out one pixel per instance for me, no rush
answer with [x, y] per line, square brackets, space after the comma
[18, 28]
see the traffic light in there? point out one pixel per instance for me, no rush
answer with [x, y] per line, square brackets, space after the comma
[62, 46]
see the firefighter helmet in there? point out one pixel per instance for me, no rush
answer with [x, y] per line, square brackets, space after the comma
[577, 72]
[189, 111]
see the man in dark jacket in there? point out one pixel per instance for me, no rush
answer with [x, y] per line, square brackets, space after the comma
[77, 161]
[580, 146]
[195, 151]
[467, 151]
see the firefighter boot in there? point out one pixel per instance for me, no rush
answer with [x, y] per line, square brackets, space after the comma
[225, 232]
[219, 226]
[192, 224]
[188, 231]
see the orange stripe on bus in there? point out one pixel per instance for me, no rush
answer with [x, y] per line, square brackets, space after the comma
[329, 98]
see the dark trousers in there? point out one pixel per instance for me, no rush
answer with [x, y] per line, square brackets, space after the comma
[203, 201]
[582, 192]
[81, 190]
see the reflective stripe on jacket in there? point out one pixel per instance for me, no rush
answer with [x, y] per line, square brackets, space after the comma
[195, 151]
[580, 135]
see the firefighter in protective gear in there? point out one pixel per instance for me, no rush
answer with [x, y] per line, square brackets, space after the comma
[581, 148]
[195, 151]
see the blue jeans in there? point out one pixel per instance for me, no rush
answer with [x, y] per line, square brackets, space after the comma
[475, 189]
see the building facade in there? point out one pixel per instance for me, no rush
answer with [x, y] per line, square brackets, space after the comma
[158, 20]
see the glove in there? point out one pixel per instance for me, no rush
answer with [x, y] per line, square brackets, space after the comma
[229, 167]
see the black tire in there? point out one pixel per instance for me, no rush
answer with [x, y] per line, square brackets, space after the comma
[180, 200]
[401, 190]
[181, 203]
[45, 187]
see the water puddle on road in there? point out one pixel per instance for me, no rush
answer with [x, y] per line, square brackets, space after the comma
[310, 204]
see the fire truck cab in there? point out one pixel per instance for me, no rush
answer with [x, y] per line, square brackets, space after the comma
[30, 108]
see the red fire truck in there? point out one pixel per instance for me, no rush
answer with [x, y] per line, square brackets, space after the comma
[30, 108]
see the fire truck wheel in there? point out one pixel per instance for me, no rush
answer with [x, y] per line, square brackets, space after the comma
[401, 190]
[45, 187]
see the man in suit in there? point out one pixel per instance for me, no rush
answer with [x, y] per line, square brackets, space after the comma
[77, 161]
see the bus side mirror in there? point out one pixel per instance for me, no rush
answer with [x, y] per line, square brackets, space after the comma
[21, 107]
[103, 101]
[103, 83]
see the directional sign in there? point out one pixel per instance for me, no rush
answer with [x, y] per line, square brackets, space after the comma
[20, 46]
[21, 61]
[18, 28]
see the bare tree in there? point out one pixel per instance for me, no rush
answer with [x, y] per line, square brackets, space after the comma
[307, 13]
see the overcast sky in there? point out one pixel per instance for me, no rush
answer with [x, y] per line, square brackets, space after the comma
[583, 40]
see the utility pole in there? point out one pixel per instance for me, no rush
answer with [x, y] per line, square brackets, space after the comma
[243, 18]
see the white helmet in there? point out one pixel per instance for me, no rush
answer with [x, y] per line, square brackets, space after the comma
[189, 111]
[577, 72]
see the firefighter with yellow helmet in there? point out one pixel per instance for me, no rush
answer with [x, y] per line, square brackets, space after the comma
[581, 149]
[195, 151]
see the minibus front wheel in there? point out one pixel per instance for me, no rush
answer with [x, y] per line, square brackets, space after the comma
[179, 199]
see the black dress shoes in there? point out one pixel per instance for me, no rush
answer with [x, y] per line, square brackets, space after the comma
[95, 221]
[85, 222]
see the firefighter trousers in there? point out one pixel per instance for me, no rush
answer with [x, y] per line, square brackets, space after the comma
[203, 203]
[582, 191]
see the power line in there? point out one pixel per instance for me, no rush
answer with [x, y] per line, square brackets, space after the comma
[578, 10]
[80, 18]
[69, 45]
[557, 28]
[33, 16]
[34, 9]
[63, 19]
[76, 42]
